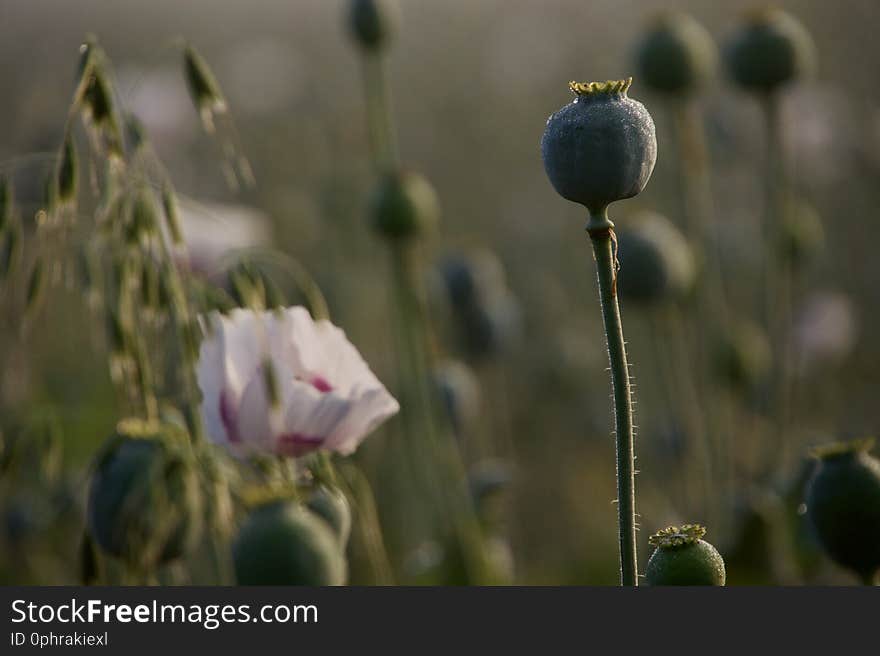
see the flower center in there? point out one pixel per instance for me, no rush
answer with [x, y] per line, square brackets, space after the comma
[596, 88]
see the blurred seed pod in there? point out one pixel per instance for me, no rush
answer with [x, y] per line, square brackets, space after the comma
[681, 557]
[743, 357]
[332, 506]
[282, 543]
[753, 554]
[145, 505]
[404, 206]
[373, 23]
[492, 327]
[769, 50]
[802, 236]
[843, 506]
[472, 277]
[656, 263]
[676, 55]
[459, 391]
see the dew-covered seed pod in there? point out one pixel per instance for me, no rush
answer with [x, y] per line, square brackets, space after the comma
[656, 263]
[770, 49]
[601, 147]
[843, 506]
[676, 55]
[404, 206]
[145, 504]
[743, 357]
[373, 23]
[682, 557]
[332, 506]
[282, 543]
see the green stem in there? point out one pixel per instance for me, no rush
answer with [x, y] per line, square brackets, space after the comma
[601, 231]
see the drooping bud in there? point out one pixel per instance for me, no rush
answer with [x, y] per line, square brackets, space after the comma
[676, 56]
[145, 505]
[373, 23]
[771, 49]
[404, 206]
[282, 543]
[843, 506]
[601, 147]
[682, 557]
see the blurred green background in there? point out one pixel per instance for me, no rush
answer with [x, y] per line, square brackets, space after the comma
[473, 83]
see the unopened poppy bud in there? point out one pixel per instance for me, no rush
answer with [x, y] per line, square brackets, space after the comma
[843, 506]
[404, 206]
[676, 55]
[771, 49]
[656, 263]
[332, 506]
[601, 147]
[282, 543]
[145, 504]
[373, 23]
[682, 557]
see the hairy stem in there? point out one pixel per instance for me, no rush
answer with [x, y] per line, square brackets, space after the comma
[601, 232]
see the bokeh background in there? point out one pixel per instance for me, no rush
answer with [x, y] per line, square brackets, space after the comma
[473, 83]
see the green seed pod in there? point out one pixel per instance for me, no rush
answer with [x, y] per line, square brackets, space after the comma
[771, 49]
[373, 23]
[282, 543]
[66, 176]
[656, 263]
[676, 56]
[601, 147]
[145, 504]
[683, 558]
[743, 357]
[802, 235]
[404, 206]
[843, 506]
[332, 506]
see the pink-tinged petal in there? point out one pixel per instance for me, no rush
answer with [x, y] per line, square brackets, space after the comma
[255, 415]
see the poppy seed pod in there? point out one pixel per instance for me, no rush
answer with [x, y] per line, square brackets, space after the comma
[404, 206]
[601, 147]
[843, 506]
[656, 262]
[769, 50]
[373, 23]
[332, 506]
[676, 55]
[145, 504]
[282, 543]
[683, 558]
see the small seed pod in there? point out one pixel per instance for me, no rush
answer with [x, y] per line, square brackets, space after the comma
[676, 56]
[404, 206]
[801, 235]
[683, 558]
[459, 391]
[843, 506]
[601, 147]
[373, 23]
[769, 50]
[471, 278]
[144, 503]
[743, 357]
[282, 543]
[656, 263]
[332, 506]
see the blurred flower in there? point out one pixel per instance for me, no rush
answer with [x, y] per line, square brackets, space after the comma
[210, 231]
[284, 383]
[825, 329]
